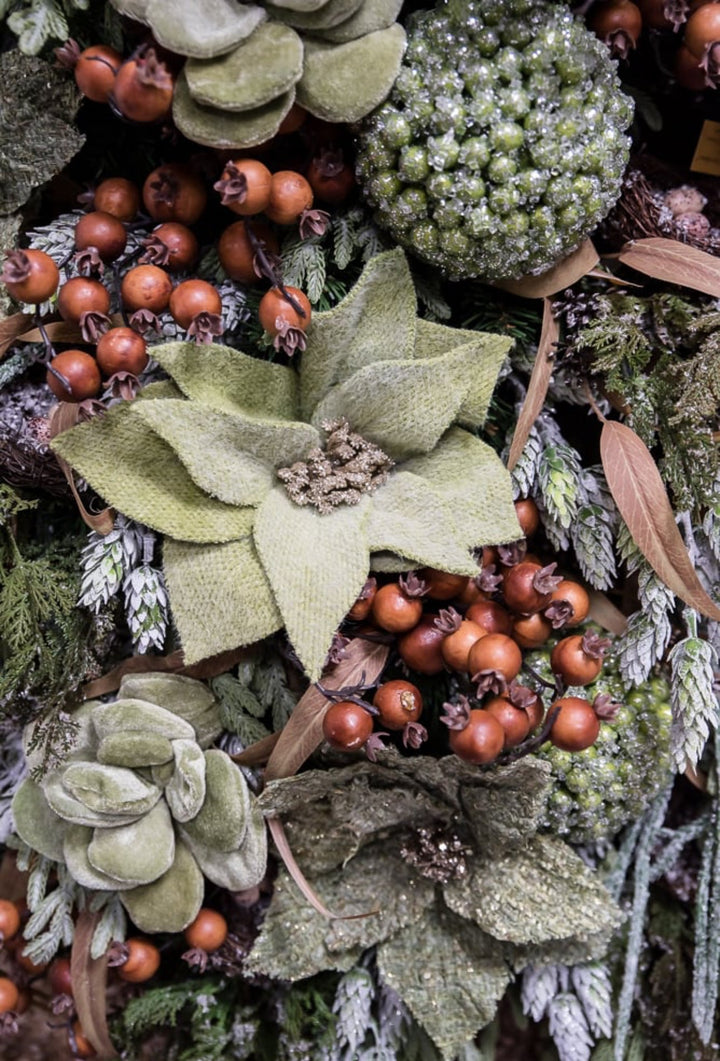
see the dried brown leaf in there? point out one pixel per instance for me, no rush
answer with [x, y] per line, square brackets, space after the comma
[303, 733]
[606, 614]
[640, 496]
[674, 262]
[64, 416]
[89, 978]
[564, 274]
[538, 386]
[11, 328]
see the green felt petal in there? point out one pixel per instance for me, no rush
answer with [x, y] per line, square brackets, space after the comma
[75, 854]
[374, 322]
[474, 483]
[373, 15]
[316, 565]
[390, 563]
[170, 903]
[164, 388]
[302, 5]
[487, 353]
[189, 699]
[137, 853]
[134, 749]
[330, 14]
[407, 516]
[36, 822]
[343, 83]
[235, 870]
[135, 9]
[73, 810]
[261, 68]
[110, 789]
[134, 470]
[220, 596]
[222, 821]
[230, 381]
[161, 775]
[209, 444]
[185, 791]
[202, 30]
[125, 715]
[228, 129]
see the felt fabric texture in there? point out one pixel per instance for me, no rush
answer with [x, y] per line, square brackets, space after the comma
[135, 9]
[403, 384]
[330, 14]
[235, 870]
[224, 128]
[118, 827]
[202, 30]
[372, 16]
[344, 82]
[261, 68]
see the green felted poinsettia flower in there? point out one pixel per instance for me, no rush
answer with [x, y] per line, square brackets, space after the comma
[139, 807]
[246, 549]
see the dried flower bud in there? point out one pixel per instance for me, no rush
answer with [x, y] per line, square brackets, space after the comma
[67, 55]
[88, 262]
[143, 321]
[93, 325]
[559, 613]
[204, 327]
[117, 954]
[288, 340]
[411, 585]
[414, 734]
[521, 696]
[605, 707]
[122, 385]
[594, 645]
[313, 223]
[457, 712]
[196, 958]
[16, 268]
[374, 744]
[490, 681]
[234, 187]
[156, 252]
[545, 581]
[448, 620]
[487, 581]
[512, 553]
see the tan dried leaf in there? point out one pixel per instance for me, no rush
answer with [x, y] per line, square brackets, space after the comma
[89, 977]
[558, 277]
[674, 262]
[538, 386]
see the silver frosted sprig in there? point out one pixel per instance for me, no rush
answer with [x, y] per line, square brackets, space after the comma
[106, 560]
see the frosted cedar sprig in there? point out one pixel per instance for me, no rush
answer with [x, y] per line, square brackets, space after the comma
[105, 561]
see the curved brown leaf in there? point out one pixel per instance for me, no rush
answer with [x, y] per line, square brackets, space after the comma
[11, 328]
[63, 416]
[640, 496]
[89, 979]
[564, 274]
[674, 262]
[303, 733]
[538, 386]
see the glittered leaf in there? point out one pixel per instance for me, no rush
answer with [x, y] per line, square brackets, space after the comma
[422, 963]
[222, 820]
[219, 595]
[226, 379]
[373, 15]
[109, 789]
[541, 893]
[506, 807]
[185, 791]
[128, 715]
[408, 515]
[265, 65]
[170, 903]
[150, 483]
[71, 809]
[202, 30]
[343, 83]
[228, 129]
[313, 596]
[330, 14]
[674, 262]
[374, 322]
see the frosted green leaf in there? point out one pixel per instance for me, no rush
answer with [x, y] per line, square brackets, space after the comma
[220, 595]
[126, 715]
[293, 544]
[150, 483]
[222, 820]
[374, 322]
[508, 807]
[407, 514]
[235, 870]
[202, 30]
[473, 482]
[371, 16]
[228, 129]
[343, 83]
[540, 893]
[446, 973]
[330, 14]
[231, 381]
[136, 853]
[75, 856]
[185, 697]
[170, 903]
[109, 789]
[261, 68]
[36, 822]
[134, 749]
[185, 791]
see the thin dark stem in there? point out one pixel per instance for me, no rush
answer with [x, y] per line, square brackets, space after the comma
[543, 681]
[49, 354]
[269, 271]
[530, 745]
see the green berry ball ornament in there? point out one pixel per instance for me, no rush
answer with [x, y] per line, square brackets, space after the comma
[502, 144]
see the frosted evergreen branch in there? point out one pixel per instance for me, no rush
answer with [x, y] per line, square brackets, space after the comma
[706, 959]
[111, 926]
[106, 560]
[592, 985]
[524, 474]
[352, 1005]
[304, 265]
[559, 481]
[569, 1029]
[539, 987]
[591, 535]
[12, 771]
[146, 607]
[693, 697]
[393, 1021]
[649, 630]
[711, 522]
[234, 305]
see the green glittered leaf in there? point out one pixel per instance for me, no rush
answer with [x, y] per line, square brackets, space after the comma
[407, 515]
[202, 30]
[149, 483]
[422, 963]
[316, 564]
[374, 322]
[541, 893]
[226, 379]
[220, 596]
[505, 807]
[474, 484]
[35, 821]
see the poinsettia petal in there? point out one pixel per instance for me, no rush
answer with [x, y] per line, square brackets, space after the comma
[137, 472]
[317, 565]
[376, 320]
[229, 456]
[473, 482]
[227, 379]
[219, 595]
[488, 350]
[408, 516]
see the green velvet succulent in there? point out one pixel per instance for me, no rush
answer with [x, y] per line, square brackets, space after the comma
[144, 807]
[446, 860]
[248, 63]
[197, 459]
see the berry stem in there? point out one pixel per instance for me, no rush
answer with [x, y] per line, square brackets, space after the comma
[269, 271]
[529, 746]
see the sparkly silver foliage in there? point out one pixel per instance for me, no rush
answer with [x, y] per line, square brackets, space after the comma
[577, 1001]
[696, 710]
[648, 631]
[146, 607]
[12, 771]
[354, 997]
[106, 560]
[502, 144]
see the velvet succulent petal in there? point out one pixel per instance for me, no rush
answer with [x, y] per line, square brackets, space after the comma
[138, 473]
[316, 564]
[202, 30]
[220, 595]
[374, 322]
[170, 903]
[36, 822]
[228, 129]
